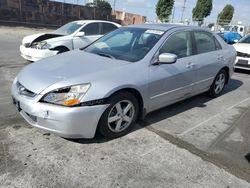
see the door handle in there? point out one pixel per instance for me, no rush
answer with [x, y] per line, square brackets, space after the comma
[220, 57]
[190, 65]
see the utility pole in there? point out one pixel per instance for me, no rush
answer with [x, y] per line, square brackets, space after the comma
[20, 10]
[183, 10]
[114, 4]
[173, 13]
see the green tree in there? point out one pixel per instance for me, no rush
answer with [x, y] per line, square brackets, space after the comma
[226, 15]
[202, 9]
[164, 9]
[100, 4]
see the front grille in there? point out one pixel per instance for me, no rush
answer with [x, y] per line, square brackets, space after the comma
[24, 91]
[242, 65]
[240, 54]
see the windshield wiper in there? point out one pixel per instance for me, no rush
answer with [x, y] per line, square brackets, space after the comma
[106, 55]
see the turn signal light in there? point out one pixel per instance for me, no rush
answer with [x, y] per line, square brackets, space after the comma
[71, 102]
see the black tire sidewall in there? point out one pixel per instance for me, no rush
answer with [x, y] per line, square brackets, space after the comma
[113, 100]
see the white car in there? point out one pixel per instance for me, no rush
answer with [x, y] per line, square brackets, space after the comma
[243, 53]
[71, 36]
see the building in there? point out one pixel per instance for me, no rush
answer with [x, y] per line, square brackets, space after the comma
[129, 18]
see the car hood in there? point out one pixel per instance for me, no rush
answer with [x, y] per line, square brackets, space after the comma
[31, 38]
[42, 37]
[38, 76]
[242, 47]
[59, 38]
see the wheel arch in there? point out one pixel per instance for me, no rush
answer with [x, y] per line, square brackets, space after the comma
[137, 94]
[227, 71]
[61, 47]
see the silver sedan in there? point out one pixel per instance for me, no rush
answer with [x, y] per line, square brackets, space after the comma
[120, 78]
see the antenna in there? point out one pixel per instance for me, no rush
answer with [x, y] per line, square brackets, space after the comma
[183, 10]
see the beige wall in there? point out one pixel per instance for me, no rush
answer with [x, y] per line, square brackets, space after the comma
[129, 18]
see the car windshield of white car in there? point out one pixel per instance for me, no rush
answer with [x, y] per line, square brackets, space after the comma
[245, 39]
[68, 28]
[129, 44]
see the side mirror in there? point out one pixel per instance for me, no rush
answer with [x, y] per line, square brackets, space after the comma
[167, 58]
[80, 34]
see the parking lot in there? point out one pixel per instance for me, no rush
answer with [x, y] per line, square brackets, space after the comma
[199, 142]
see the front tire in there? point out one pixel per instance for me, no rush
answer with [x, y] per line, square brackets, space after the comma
[218, 84]
[120, 117]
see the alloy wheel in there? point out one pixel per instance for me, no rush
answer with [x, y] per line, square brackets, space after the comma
[219, 83]
[121, 116]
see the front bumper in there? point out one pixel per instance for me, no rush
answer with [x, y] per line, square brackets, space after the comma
[33, 54]
[242, 63]
[67, 122]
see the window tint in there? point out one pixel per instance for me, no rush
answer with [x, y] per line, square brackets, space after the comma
[204, 42]
[91, 29]
[179, 44]
[68, 28]
[245, 39]
[121, 39]
[107, 27]
[217, 44]
[129, 44]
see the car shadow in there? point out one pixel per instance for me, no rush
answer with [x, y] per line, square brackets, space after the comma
[242, 71]
[167, 112]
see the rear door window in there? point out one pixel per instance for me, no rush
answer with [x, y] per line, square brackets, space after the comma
[217, 44]
[108, 27]
[205, 42]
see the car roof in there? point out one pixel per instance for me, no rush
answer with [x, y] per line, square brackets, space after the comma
[166, 27]
[91, 21]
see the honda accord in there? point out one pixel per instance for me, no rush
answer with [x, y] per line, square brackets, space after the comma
[121, 77]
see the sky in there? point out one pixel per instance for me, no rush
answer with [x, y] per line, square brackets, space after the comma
[147, 8]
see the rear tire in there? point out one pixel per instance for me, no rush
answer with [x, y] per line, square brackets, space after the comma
[218, 84]
[120, 117]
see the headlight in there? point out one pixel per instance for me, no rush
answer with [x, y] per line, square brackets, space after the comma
[46, 46]
[42, 45]
[68, 96]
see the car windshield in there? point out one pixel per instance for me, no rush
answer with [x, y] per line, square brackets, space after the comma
[129, 44]
[245, 39]
[69, 28]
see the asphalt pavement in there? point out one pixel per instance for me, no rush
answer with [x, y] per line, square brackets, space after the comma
[199, 142]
